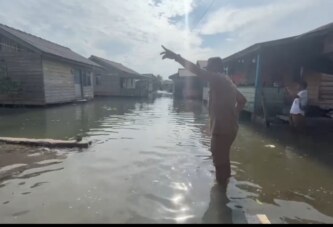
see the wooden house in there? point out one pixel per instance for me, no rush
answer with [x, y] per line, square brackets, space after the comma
[34, 71]
[114, 79]
[153, 83]
[263, 71]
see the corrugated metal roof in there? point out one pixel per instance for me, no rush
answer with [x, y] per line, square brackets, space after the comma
[46, 46]
[258, 46]
[323, 30]
[107, 63]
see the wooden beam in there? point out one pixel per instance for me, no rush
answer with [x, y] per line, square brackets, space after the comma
[264, 107]
[46, 142]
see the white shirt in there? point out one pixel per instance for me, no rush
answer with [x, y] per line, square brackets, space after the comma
[303, 99]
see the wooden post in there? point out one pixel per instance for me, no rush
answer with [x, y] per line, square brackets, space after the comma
[264, 108]
[258, 87]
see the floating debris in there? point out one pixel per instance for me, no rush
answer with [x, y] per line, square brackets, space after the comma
[270, 146]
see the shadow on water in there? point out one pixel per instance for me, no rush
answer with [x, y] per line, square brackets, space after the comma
[218, 211]
[16, 161]
[19, 169]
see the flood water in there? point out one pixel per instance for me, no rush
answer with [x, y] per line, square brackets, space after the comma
[150, 163]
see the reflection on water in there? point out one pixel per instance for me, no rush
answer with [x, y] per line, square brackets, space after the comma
[63, 122]
[150, 163]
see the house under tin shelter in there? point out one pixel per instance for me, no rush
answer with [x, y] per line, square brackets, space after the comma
[114, 79]
[34, 71]
[264, 70]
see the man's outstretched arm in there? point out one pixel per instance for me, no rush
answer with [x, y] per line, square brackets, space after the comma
[204, 74]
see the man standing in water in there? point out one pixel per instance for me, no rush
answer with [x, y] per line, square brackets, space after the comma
[298, 108]
[225, 104]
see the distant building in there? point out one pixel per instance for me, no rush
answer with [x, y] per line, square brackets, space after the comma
[114, 79]
[167, 85]
[34, 71]
[187, 85]
[154, 83]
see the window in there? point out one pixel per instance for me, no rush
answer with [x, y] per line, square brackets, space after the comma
[98, 80]
[121, 83]
[131, 83]
[226, 70]
[3, 69]
[127, 83]
[76, 74]
[81, 76]
[86, 79]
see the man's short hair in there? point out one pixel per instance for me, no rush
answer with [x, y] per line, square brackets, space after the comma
[303, 84]
[216, 64]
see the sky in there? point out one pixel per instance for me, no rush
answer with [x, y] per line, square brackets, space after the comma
[131, 32]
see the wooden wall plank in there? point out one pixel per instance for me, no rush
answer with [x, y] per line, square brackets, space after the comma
[59, 82]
